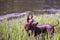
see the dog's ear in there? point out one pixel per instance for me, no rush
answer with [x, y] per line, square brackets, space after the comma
[27, 18]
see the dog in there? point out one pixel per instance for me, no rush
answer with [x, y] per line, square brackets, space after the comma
[35, 29]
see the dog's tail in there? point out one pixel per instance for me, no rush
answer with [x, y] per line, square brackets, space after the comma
[57, 23]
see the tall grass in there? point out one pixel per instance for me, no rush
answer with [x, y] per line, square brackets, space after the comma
[16, 31]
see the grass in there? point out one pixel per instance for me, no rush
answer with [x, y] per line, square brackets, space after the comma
[16, 31]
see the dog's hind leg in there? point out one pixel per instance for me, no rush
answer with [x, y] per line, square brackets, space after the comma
[51, 33]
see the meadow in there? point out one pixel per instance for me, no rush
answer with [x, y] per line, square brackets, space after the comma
[15, 30]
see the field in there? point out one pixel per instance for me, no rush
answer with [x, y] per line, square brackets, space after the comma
[15, 30]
